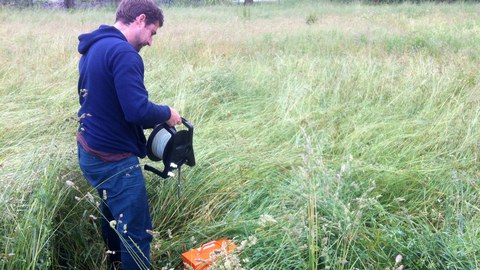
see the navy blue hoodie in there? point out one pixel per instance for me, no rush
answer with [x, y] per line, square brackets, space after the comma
[114, 102]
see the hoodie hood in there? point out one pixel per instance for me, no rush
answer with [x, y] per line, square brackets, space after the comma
[104, 31]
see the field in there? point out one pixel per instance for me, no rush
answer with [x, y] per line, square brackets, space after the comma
[327, 136]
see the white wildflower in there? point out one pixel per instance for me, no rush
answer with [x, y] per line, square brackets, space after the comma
[227, 264]
[104, 195]
[266, 220]
[252, 239]
[242, 245]
[110, 252]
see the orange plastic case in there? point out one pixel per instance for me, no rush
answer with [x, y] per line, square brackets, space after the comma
[199, 258]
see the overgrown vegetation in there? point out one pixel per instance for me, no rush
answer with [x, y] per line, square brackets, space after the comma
[336, 144]
[81, 4]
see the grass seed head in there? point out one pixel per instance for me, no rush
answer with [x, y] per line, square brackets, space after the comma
[90, 197]
[398, 259]
[113, 224]
[70, 184]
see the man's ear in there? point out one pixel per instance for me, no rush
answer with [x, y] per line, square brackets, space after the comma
[142, 18]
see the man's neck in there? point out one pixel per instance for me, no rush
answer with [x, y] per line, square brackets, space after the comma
[123, 28]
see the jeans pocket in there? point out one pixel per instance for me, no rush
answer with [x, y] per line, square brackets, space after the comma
[133, 182]
[126, 175]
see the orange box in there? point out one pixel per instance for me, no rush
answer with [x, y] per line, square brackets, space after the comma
[199, 258]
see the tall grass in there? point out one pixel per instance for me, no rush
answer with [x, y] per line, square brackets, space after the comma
[334, 143]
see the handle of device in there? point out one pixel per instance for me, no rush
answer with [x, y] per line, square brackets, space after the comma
[155, 171]
[187, 124]
[163, 175]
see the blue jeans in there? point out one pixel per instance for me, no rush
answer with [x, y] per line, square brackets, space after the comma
[126, 215]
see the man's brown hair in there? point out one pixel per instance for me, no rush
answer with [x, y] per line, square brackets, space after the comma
[129, 10]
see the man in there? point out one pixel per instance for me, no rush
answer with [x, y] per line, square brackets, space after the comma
[114, 111]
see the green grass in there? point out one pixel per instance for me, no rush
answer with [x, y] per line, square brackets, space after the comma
[327, 136]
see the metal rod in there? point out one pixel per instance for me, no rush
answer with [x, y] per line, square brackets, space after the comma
[179, 183]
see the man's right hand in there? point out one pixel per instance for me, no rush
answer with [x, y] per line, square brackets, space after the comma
[175, 118]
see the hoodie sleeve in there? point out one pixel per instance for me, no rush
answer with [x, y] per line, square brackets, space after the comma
[128, 73]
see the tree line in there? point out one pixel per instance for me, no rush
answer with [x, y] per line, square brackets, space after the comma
[93, 3]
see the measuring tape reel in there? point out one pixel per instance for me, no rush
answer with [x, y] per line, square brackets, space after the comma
[173, 147]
